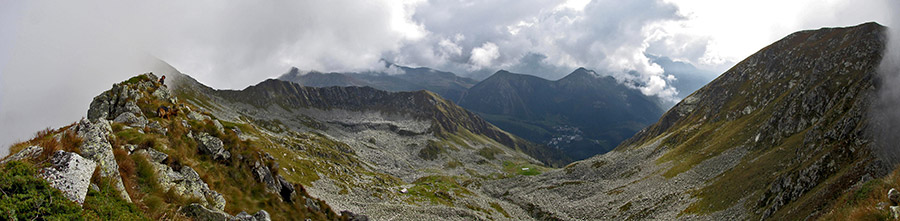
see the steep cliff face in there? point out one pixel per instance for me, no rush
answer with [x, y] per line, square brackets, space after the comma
[780, 135]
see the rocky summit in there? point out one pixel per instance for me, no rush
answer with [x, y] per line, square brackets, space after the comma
[786, 134]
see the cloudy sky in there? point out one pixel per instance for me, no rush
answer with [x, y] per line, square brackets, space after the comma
[56, 55]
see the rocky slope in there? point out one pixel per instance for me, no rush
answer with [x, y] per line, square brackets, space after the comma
[277, 147]
[125, 162]
[779, 136]
[378, 153]
[583, 114]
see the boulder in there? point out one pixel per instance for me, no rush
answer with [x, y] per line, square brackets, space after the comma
[264, 176]
[131, 107]
[199, 212]
[130, 147]
[152, 155]
[353, 217]
[895, 212]
[213, 146]
[262, 215]
[185, 182]
[162, 93]
[219, 126]
[27, 153]
[287, 189]
[894, 196]
[131, 120]
[120, 99]
[193, 115]
[156, 127]
[95, 146]
[70, 173]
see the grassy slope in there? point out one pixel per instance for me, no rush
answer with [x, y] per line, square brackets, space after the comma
[708, 131]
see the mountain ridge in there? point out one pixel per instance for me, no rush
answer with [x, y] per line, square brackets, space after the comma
[780, 135]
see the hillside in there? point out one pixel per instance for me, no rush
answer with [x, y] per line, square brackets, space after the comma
[395, 78]
[277, 147]
[582, 114]
[781, 135]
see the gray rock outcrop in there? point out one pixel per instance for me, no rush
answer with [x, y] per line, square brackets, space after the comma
[28, 152]
[185, 182]
[96, 146]
[120, 99]
[162, 93]
[131, 120]
[264, 176]
[156, 127]
[354, 217]
[199, 212]
[213, 146]
[70, 173]
[193, 115]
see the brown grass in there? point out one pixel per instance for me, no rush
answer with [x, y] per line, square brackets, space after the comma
[860, 203]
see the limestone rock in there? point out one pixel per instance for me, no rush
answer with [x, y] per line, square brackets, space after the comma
[162, 93]
[894, 196]
[70, 173]
[152, 155]
[262, 215]
[130, 147]
[213, 146]
[156, 127]
[193, 115]
[895, 212]
[287, 189]
[199, 212]
[131, 107]
[354, 217]
[219, 126]
[120, 99]
[264, 175]
[28, 152]
[185, 182]
[95, 146]
[131, 120]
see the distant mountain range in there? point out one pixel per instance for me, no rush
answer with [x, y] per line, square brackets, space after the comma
[786, 134]
[583, 114]
[394, 78]
[797, 131]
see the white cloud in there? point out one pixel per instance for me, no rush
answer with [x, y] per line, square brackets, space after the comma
[82, 47]
[485, 55]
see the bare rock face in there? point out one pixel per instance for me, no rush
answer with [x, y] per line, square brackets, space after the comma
[95, 146]
[264, 175]
[213, 146]
[894, 196]
[354, 217]
[28, 152]
[120, 99]
[131, 120]
[199, 212]
[162, 93]
[70, 173]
